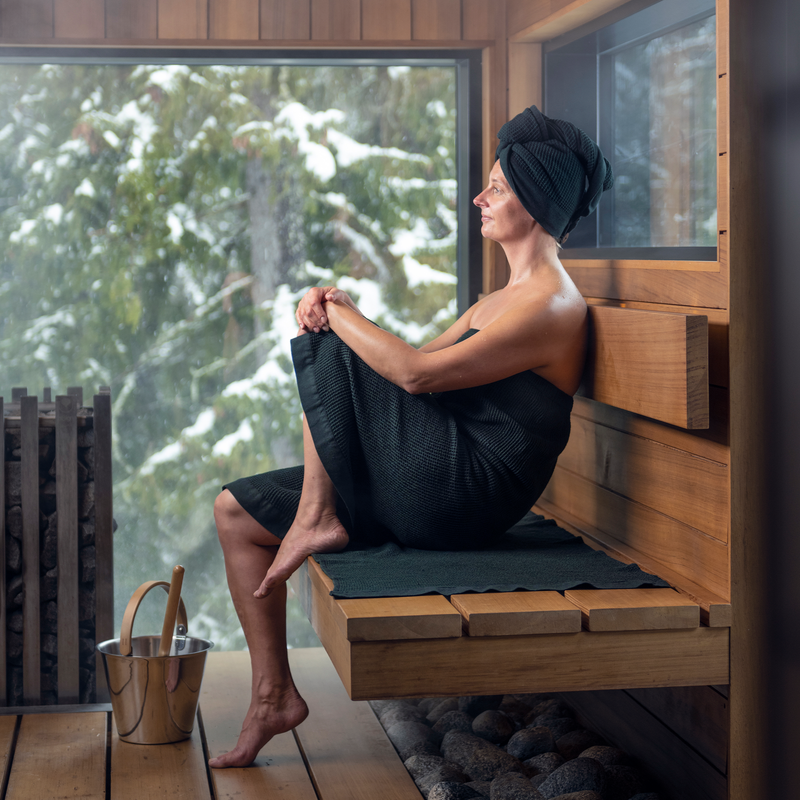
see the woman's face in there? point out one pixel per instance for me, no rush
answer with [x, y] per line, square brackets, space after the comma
[503, 217]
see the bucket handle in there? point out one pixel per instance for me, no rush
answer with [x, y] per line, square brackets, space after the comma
[125, 647]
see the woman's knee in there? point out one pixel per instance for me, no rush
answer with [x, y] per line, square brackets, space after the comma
[226, 511]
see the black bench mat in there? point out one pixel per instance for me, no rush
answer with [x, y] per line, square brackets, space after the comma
[535, 554]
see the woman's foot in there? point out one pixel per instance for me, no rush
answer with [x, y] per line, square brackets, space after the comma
[315, 533]
[265, 719]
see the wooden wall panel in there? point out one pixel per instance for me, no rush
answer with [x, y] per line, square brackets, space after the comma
[386, 21]
[26, 19]
[522, 13]
[679, 769]
[286, 19]
[84, 19]
[547, 19]
[675, 483]
[336, 20]
[685, 550]
[182, 19]
[524, 77]
[477, 20]
[233, 19]
[127, 20]
[436, 19]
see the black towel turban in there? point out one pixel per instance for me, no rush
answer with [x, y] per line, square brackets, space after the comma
[557, 172]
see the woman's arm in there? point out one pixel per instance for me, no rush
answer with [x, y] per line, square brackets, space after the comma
[529, 337]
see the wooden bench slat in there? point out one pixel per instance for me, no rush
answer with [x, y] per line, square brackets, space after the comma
[634, 609]
[158, 771]
[380, 618]
[346, 749]
[715, 611]
[278, 771]
[517, 613]
[59, 756]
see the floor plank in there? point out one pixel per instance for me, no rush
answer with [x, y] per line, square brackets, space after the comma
[7, 728]
[157, 771]
[348, 754]
[59, 756]
[279, 772]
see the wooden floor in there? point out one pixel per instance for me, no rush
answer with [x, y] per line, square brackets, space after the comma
[339, 753]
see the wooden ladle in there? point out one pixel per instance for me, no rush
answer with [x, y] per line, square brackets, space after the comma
[171, 613]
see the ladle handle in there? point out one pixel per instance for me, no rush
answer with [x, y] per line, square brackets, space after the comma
[126, 630]
[171, 613]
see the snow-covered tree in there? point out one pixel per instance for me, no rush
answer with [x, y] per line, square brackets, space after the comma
[157, 226]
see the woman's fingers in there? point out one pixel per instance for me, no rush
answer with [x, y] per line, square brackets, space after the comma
[310, 312]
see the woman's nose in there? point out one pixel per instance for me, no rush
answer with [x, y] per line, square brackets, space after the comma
[479, 201]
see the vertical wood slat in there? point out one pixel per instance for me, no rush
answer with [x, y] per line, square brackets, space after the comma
[132, 20]
[233, 19]
[477, 22]
[3, 673]
[183, 19]
[67, 508]
[336, 20]
[104, 520]
[47, 395]
[84, 19]
[436, 19]
[29, 470]
[17, 392]
[525, 68]
[383, 21]
[26, 19]
[286, 19]
[77, 392]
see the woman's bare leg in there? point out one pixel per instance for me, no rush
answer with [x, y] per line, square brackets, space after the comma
[316, 528]
[275, 704]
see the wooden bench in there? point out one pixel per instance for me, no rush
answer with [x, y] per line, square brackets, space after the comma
[654, 364]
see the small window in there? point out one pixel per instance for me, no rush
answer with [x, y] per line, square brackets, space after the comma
[645, 86]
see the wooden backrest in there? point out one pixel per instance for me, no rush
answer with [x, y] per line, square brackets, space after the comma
[650, 362]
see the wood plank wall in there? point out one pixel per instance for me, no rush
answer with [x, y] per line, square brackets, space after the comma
[638, 484]
[323, 22]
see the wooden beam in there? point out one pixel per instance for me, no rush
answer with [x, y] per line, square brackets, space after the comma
[562, 19]
[68, 572]
[381, 618]
[651, 363]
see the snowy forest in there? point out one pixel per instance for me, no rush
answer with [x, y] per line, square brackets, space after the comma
[158, 224]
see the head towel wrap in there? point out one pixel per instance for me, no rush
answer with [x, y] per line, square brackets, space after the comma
[557, 172]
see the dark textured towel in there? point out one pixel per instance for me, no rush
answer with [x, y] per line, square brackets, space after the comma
[535, 554]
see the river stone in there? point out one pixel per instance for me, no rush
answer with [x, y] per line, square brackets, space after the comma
[513, 786]
[454, 721]
[494, 726]
[538, 780]
[545, 763]
[420, 765]
[399, 711]
[479, 759]
[624, 781]
[572, 744]
[477, 704]
[580, 774]
[481, 787]
[427, 704]
[558, 726]
[446, 773]
[531, 742]
[440, 709]
[553, 707]
[585, 795]
[447, 790]
[378, 706]
[515, 710]
[413, 739]
[607, 755]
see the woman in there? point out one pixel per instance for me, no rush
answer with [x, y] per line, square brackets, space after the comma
[441, 447]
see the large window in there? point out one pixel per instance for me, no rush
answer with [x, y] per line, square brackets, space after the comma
[645, 86]
[158, 223]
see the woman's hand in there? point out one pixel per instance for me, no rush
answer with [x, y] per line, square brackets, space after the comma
[310, 312]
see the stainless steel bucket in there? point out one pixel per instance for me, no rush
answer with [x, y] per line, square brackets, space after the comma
[154, 698]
